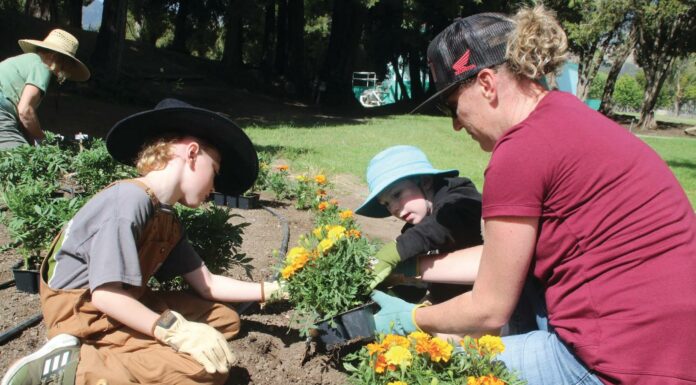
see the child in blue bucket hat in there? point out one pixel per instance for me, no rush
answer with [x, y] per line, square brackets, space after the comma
[442, 213]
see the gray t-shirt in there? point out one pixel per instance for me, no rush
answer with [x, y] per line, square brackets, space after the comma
[100, 242]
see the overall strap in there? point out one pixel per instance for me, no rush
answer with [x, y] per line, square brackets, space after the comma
[146, 188]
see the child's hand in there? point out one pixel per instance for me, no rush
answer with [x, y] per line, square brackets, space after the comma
[202, 342]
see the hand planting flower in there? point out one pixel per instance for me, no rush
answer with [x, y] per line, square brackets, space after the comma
[422, 359]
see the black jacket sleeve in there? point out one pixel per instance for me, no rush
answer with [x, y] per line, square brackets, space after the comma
[454, 224]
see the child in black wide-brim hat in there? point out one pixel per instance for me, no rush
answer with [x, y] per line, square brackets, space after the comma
[103, 321]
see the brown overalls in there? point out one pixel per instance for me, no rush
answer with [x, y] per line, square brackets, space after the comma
[117, 353]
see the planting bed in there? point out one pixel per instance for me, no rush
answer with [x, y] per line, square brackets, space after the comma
[269, 351]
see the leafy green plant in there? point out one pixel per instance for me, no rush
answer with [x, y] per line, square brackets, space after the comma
[215, 239]
[328, 272]
[279, 183]
[47, 162]
[261, 182]
[95, 168]
[35, 216]
[308, 192]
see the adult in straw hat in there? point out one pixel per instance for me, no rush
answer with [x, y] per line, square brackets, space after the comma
[575, 206]
[24, 80]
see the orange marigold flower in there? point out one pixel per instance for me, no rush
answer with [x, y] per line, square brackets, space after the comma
[322, 206]
[354, 233]
[395, 340]
[380, 363]
[320, 179]
[484, 380]
[282, 167]
[287, 272]
[346, 214]
[333, 201]
[373, 348]
[321, 192]
[440, 350]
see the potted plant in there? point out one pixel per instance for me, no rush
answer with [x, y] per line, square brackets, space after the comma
[26, 274]
[247, 201]
[326, 276]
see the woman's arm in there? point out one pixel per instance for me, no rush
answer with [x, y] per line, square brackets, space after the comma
[112, 300]
[224, 289]
[505, 261]
[26, 111]
[458, 267]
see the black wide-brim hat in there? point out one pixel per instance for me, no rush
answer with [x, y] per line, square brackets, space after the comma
[239, 165]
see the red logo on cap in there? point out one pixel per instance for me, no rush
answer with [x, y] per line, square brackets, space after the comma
[462, 65]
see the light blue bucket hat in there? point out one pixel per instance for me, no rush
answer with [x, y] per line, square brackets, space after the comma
[391, 165]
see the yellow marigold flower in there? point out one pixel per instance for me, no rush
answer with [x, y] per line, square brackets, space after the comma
[373, 348]
[440, 350]
[336, 233]
[398, 355]
[325, 245]
[346, 214]
[419, 336]
[354, 233]
[491, 345]
[287, 272]
[397, 383]
[471, 380]
[320, 179]
[299, 261]
[395, 340]
[282, 167]
[484, 380]
[301, 178]
[317, 232]
[322, 206]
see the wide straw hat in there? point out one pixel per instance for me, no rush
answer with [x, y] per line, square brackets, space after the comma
[391, 165]
[239, 166]
[464, 48]
[66, 45]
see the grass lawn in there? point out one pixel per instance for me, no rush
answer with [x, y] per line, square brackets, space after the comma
[349, 148]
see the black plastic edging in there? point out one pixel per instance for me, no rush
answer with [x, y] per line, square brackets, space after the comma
[15, 330]
[244, 306]
[7, 284]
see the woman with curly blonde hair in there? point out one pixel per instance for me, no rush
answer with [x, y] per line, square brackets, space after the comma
[573, 205]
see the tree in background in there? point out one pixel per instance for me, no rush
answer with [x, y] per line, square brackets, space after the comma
[108, 50]
[665, 32]
[627, 94]
[617, 56]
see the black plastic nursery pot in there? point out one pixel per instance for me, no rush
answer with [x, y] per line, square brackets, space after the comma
[248, 201]
[232, 201]
[217, 198]
[354, 325]
[25, 280]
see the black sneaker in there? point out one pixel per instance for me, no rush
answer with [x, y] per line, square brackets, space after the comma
[55, 363]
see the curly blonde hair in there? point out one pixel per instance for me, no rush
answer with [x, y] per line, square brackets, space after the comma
[155, 155]
[538, 45]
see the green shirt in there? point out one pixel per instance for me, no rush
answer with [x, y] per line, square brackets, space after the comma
[18, 71]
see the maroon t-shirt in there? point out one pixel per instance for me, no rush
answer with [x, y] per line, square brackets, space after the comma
[616, 247]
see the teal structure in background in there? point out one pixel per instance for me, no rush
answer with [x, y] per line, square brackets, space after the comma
[371, 92]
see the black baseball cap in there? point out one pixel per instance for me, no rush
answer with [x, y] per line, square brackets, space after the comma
[464, 48]
[239, 166]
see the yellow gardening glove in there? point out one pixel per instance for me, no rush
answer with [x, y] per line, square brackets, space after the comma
[202, 342]
[273, 291]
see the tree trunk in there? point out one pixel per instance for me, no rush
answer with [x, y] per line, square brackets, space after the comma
[40, 9]
[588, 67]
[269, 31]
[181, 27]
[74, 11]
[296, 24]
[232, 54]
[620, 54]
[414, 71]
[654, 79]
[281, 55]
[108, 50]
[399, 80]
[346, 27]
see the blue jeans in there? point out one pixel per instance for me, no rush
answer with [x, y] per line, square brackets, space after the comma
[539, 356]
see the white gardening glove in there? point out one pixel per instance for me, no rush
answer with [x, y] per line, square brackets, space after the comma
[273, 291]
[202, 342]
